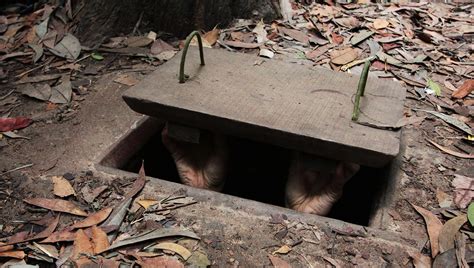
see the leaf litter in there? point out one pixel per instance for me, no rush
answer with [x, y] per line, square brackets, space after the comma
[434, 43]
[89, 238]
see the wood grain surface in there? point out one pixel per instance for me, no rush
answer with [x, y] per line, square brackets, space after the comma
[286, 104]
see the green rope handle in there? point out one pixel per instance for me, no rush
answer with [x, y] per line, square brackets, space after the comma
[360, 90]
[190, 37]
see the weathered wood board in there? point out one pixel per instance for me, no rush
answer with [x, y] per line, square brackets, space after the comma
[290, 105]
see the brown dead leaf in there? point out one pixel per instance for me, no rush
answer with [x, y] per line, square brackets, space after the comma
[48, 230]
[69, 235]
[5, 247]
[56, 205]
[260, 31]
[278, 263]
[126, 79]
[295, 34]
[332, 261]
[138, 184]
[434, 225]
[243, 37]
[20, 236]
[464, 190]
[16, 254]
[146, 203]
[343, 56]
[285, 249]
[239, 44]
[448, 233]
[99, 262]
[182, 251]
[43, 234]
[61, 236]
[93, 219]
[89, 195]
[49, 250]
[160, 46]
[444, 199]
[465, 89]
[100, 241]
[138, 41]
[161, 261]
[62, 187]
[337, 39]
[349, 22]
[420, 260]
[211, 37]
[82, 245]
[380, 24]
[451, 152]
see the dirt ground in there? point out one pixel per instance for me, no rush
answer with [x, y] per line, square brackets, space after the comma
[68, 140]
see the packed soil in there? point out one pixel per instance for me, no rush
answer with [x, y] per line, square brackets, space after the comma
[69, 140]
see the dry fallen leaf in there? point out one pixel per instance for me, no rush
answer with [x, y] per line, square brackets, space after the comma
[444, 199]
[100, 241]
[448, 233]
[160, 46]
[464, 190]
[17, 254]
[343, 56]
[68, 234]
[295, 34]
[282, 250]
[332, 261]
[56, 205]
[266, 53]
[82, 245]
[278, 263]
[89, 195]
[146, 203]
[261, 32]
[182, 251]
[211, 37]
[420, 260]
[5, 247]
[60, 236]
[126, 79]
[161, 261]
[380, 24]
[239, 44]
[93, 219]
[43, 234]
[434, 225]
[138, 41]
[48, 230]
[49, 250]
[62, 187]
[451, 152]
[465, 89]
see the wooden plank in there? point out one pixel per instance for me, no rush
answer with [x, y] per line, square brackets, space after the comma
[290, 105]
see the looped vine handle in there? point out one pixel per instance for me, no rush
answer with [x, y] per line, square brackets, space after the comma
[360, 90]
[190, 37]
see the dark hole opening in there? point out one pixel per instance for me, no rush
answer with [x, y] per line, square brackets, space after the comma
[259, 172]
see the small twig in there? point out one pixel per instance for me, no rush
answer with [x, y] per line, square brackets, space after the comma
[137, 24]
[171, 207]
[360, 91]
[356, 62]
[6, 95]
[15, 169]
[225, 46]
[34, 69]
[83, 58]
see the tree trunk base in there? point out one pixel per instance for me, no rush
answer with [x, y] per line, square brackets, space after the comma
[100, 19]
